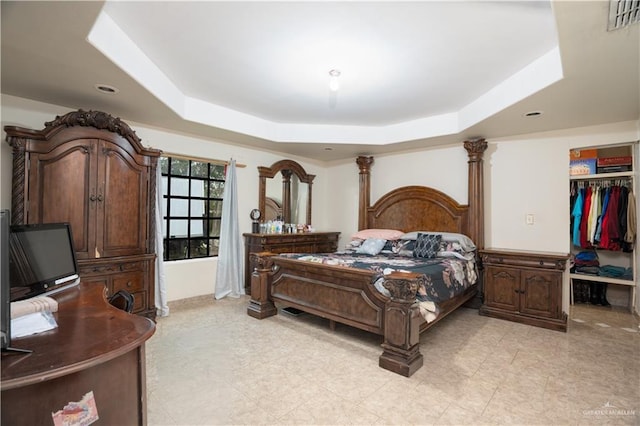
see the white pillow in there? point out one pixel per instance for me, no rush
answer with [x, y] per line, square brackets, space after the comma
[371, 246]
[465, 242]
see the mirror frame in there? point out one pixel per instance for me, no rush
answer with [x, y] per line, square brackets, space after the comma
[287, 167]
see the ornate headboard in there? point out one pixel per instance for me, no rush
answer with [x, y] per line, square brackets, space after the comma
[413, 208]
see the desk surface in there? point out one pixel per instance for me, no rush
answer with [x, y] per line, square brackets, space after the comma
[90, 332]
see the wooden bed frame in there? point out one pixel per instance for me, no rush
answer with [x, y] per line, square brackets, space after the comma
[348, 296]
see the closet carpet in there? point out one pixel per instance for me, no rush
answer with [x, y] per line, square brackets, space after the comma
[209, 363]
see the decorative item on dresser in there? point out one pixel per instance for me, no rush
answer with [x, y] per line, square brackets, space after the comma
[90, 169]
[351, 296]
[525, 287]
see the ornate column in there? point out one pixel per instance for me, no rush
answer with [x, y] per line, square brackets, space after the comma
[364, 164]
[286, 195]
[475, 149]
[18, 144]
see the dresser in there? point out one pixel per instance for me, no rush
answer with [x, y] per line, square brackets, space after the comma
[91, 170]
[306, 242]
[524, 286]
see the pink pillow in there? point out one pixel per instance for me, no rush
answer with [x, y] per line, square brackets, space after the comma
[384, 234]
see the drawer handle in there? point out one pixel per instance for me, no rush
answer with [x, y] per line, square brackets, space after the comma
[129, 284]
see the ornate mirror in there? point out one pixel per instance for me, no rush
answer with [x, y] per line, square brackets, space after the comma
[285, 191]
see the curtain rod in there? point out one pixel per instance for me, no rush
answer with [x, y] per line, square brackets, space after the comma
[202, 159]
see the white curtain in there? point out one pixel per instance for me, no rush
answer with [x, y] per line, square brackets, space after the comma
[162, 309]
[230, 274]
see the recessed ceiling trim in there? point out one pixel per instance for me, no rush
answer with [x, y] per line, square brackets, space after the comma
[541, 73]
[110, 40]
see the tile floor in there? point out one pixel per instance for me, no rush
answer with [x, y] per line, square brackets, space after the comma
[210, 363]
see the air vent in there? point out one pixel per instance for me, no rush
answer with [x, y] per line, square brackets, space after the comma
[623, 13]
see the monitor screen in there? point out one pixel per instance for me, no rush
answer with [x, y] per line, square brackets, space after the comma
[42, 259]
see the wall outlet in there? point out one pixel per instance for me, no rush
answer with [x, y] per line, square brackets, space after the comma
[529, 219]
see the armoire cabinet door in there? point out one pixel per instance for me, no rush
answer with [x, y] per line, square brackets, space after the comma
[123, 192]
[61, 184]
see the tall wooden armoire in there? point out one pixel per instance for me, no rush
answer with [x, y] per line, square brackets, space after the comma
[90, 169]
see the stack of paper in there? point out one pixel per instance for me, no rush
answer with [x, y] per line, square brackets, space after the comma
[33, 316]
[35, 304]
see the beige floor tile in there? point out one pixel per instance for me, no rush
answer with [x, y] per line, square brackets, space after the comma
[210, 363]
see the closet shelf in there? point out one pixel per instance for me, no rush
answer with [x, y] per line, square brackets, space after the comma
[602, 176]
[601, 279]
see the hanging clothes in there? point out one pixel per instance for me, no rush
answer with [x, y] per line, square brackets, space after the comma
[584, 241]
[605, 204]
[632, 224]
[603, 216]
[577, 216]
[594, 213]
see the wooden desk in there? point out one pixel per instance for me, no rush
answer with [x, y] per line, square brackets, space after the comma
[95, 347]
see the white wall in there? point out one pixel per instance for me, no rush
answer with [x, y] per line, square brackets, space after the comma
[444, 169]
[523, 175]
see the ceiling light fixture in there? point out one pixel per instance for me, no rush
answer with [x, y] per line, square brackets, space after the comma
[334, 84]
[105, 88]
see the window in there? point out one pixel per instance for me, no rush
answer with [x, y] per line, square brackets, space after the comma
[192, 193]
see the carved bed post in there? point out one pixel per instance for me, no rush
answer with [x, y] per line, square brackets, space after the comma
[402, 325]
[261, 306]
[364, 163]
[475, 149]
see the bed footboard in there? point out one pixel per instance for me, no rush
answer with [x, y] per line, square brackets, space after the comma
[347, 296]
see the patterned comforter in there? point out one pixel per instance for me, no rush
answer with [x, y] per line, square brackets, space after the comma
[445, 277]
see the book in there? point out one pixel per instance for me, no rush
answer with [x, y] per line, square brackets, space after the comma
[614, 169]
[614, 161]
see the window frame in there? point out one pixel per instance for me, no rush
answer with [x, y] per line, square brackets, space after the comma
[195, 186]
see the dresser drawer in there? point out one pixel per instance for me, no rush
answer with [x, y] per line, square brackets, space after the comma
[133, 275]
[130, 281]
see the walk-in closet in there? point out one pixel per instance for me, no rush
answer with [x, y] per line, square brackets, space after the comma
[603, 231]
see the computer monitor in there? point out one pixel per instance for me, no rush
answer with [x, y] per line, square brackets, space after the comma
[42, 259]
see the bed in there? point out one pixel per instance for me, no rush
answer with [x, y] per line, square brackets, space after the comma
[349, 295]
